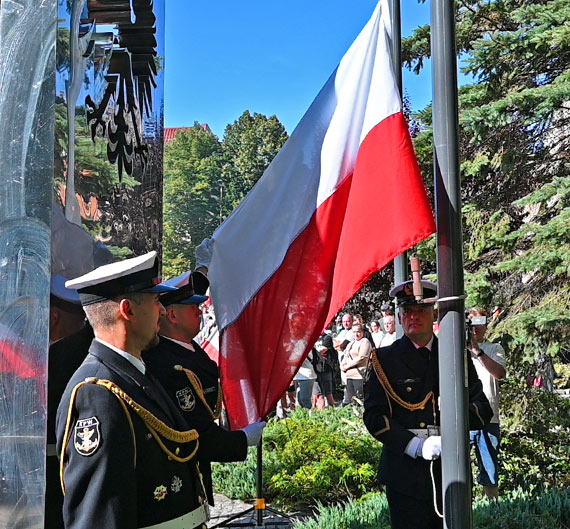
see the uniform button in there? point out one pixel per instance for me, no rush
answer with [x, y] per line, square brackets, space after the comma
[422, 425]
[149, 436]
[408, 389]
[177, 450]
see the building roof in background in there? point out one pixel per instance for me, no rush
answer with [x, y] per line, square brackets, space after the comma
[171, 132]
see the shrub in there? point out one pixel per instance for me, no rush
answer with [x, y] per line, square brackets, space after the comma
[517, 510]
[310, 457]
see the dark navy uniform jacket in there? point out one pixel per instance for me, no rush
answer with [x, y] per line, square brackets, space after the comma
[411, 376]
[216, 443]
[116, 475]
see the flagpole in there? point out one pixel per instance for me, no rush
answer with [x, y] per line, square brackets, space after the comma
[401, 261]
[456, 483]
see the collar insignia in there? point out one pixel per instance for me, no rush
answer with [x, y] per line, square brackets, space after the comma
[87, 436]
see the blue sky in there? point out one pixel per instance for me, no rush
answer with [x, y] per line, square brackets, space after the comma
[270, 57]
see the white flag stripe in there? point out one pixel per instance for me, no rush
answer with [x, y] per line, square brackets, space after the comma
[315, 160]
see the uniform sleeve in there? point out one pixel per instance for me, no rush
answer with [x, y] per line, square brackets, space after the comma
[377, 415]
[480, 411]
[223, 446]
[99, 472]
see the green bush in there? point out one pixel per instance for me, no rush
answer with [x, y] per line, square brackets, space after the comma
[313, 456]
[535, 446]
[517, 510]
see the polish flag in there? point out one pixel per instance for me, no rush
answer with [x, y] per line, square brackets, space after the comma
[343, 197]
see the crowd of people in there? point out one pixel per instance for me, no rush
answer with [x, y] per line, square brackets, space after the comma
[333, 373]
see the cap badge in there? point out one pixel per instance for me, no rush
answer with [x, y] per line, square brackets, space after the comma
[186, 399]
[87, 436]
[160, 493]
[409, 289]
[176, 484]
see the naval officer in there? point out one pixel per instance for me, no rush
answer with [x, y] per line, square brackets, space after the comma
[191, 378]
[127, 456]
[401, 411]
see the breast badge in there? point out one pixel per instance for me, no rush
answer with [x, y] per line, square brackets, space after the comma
[87, 436]
[176, 484]
[160, 493]
[186, 399]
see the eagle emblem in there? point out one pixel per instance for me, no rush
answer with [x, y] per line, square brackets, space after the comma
[87, 436]
[186, 399]
[408, 289]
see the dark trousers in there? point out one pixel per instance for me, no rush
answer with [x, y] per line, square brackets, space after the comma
[407, 512]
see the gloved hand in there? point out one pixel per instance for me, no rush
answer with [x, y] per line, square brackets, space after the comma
[203, 253]
[253, 432]
[431, 448]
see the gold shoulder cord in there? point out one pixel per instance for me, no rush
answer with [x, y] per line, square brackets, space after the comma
[156, 427]
[383, 379]
[197, 385]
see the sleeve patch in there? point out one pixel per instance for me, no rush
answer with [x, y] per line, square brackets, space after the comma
[87, 436]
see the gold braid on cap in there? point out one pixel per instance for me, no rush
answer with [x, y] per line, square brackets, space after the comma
[383, 379]
[156, 427]
[197, 385]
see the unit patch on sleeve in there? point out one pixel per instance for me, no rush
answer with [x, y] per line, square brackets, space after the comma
[186, 399]
[87, 436]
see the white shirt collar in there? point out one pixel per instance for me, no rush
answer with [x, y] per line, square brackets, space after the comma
[139, 364]
[188, 346]
[428, 345]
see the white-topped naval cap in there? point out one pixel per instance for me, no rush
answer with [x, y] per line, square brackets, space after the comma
[138, 274]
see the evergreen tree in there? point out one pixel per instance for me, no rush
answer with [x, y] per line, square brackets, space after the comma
[514, 145]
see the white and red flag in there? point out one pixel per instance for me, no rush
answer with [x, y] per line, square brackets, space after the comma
[343, 197]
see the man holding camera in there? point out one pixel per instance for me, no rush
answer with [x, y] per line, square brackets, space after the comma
[489, 361]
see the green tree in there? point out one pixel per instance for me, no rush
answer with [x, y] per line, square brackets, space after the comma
[192, 169]
[514, 144]
[249, 146]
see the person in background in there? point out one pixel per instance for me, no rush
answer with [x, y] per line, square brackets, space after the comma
[389, 335]
[341, 341]
[304, 381]
[325, 362]
[489, 361]
[401, 411]
[376, 332]
[355, 361]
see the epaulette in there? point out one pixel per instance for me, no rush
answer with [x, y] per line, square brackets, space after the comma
[385, 383]
[157, 428]
[197, 385]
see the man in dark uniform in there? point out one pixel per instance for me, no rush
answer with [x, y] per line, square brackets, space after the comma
[126, 453]
[191, 378]
[401, 411]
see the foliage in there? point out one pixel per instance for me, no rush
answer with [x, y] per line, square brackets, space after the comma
[368, 512]
[519, 510]
[204, 179]
[249, 146]
[320, 456]
[191, 172]
[535, 446]
[514, 142]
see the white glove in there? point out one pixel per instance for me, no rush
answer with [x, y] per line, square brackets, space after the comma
[253, 432]
[203, 253]
[431, 448]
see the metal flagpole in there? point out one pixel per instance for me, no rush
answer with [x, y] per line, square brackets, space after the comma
[452, 360]
[401, 261]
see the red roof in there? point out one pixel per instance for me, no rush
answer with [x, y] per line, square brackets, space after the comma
[171, 132]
